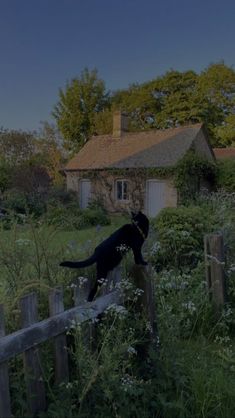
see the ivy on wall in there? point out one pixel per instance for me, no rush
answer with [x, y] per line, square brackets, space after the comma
[188, 175]
[190, 172]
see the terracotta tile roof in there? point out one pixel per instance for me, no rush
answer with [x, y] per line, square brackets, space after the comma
[221, 153]
[154, 148]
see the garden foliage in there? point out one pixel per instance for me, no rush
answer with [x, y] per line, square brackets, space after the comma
[188, 373]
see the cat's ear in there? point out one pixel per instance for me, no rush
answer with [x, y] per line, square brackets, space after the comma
[133, 214]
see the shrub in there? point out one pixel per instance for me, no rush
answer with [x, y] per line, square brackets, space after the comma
[60, 195]
[20, 203]
[226, 175]
[71, 217]
[65, 218]
[96, 216]
[180, 234]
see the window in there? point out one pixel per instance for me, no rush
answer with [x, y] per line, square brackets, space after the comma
[122, 190]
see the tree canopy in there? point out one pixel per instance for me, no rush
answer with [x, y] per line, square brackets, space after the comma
[77, 106]
[176, 98]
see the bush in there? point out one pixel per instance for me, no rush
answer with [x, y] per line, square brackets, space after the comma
[180, 234]
[20, 203]
[71, 217]
[65, 218]
[61, 196]
[226, 175]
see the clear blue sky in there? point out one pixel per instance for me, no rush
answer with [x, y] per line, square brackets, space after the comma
[44, 43]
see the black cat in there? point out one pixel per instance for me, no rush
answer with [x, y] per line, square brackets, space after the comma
[110, 252]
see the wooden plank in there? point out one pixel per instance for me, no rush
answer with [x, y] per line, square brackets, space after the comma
[36, 397]
[217, 275]
[5, 401]
[21, 340]
[145, 302]
[82, 288]
[207, 262]
[56, 305]
[113, 278]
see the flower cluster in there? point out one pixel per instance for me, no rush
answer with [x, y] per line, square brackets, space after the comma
[21, 242]
[132, 351]
[123, 249]
[119, 310]
[126, 382]
[189, 306]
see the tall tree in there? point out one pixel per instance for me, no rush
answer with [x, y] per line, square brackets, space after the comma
[75, 111]
[16, 146]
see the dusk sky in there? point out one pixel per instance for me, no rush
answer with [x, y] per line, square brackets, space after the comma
[44, 43]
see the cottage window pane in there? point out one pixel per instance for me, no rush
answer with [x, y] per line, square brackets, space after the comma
[122, 190]
[119, 190]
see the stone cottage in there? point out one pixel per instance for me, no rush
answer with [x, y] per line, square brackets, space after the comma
[133, 169]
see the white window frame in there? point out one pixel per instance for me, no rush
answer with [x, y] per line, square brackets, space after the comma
[122, 181]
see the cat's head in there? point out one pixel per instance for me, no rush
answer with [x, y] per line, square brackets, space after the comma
[141, 220]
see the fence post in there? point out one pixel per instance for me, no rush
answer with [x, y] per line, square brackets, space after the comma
[81, 292]
[33, 374]
[113, 277]
[214, 265]
[5, 402]
[82, 287]
[56, 305]
[145, 302]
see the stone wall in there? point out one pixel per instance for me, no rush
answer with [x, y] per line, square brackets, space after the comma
[103, 186]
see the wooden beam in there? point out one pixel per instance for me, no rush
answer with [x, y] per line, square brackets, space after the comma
[215, 263]
[35, 388]
[56, 305]
[22, 340]
[146, 303]
[5, 401]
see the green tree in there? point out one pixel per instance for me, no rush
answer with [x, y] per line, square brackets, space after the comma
[5, 176]
[140, 104]
[75, 111]
[16, 146]
[50, 154]
[217, 88]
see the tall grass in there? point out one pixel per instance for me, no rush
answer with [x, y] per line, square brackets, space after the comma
[190, 374]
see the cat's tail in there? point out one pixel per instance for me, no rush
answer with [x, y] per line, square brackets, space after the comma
[79, 264]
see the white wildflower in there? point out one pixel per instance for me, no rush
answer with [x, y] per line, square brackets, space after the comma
[102, 281]
[149, 327]
[155, 248]
[122, 248]
[23, 242]
[126, 382]
[131, 350]
[190, 306]
[118, 309]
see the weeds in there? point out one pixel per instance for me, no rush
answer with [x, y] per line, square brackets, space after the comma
[192, 373]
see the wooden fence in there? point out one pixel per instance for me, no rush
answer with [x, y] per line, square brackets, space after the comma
[215, 269]
[26, 341]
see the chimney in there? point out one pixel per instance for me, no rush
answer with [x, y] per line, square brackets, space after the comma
[120, 124]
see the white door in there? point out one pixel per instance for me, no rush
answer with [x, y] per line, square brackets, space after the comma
[155, 197]
[85, 193]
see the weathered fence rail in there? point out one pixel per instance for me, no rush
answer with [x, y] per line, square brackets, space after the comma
[215, 269]
[27, 340]
[39, 332]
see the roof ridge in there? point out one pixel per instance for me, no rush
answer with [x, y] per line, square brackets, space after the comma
[147, 131]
